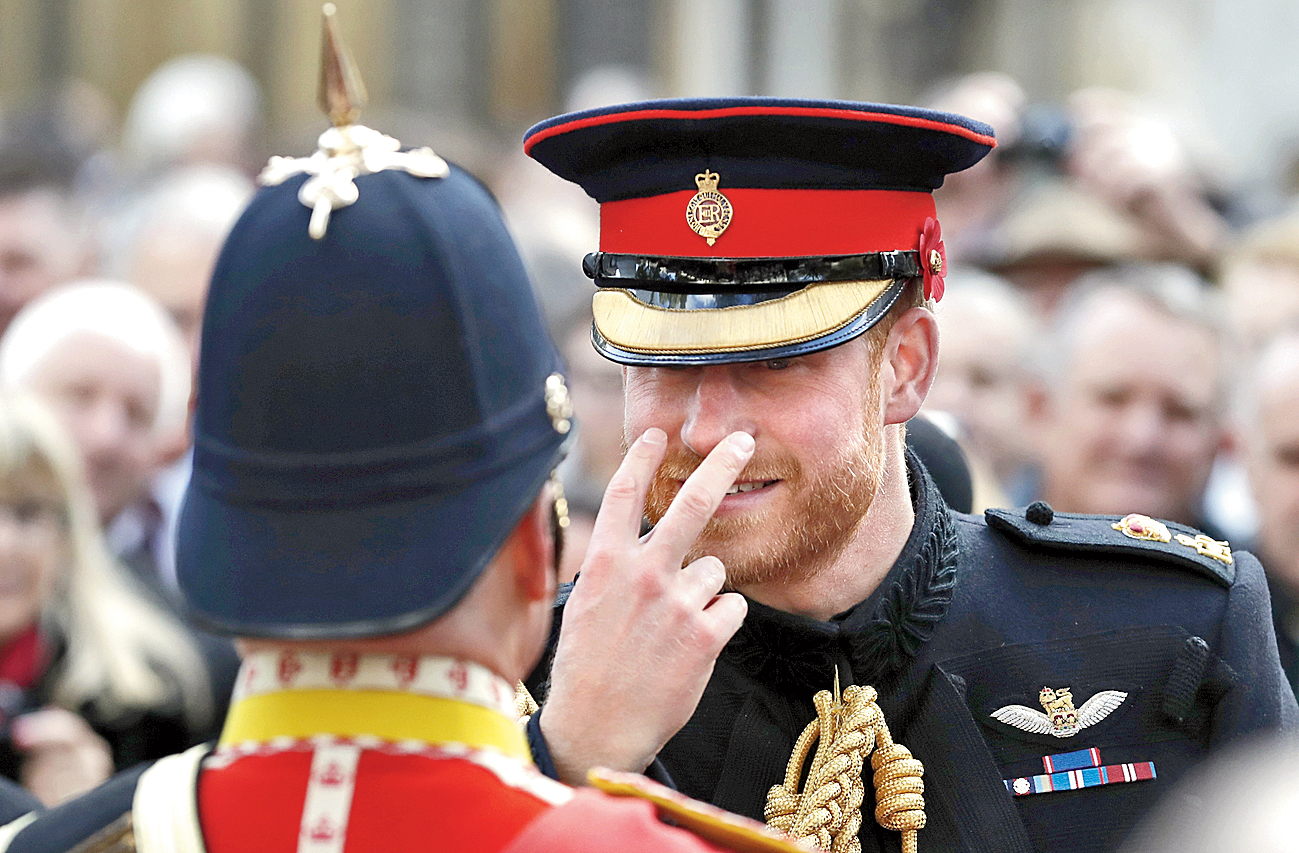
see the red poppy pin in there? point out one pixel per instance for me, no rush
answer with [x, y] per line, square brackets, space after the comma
[933, 259]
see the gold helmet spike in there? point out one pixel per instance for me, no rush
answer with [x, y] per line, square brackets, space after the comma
[347, 150]
[342, 93]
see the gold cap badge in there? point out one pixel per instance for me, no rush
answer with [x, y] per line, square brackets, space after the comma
[709, 212]
[347, 149]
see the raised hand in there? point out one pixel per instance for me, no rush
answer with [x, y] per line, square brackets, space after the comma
[641, 633]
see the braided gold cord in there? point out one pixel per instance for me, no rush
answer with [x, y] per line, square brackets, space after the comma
[899, 788]
[828, 811]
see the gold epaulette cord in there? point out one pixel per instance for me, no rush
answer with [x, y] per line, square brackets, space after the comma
[828, 811]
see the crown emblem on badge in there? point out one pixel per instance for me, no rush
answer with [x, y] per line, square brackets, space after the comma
[347, 149]
[709, 212]
[1061, 719]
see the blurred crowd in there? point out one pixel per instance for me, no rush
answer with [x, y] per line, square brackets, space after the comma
[1120, 333]
[107, 241]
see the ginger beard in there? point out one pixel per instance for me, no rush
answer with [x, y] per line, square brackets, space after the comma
[799, 535]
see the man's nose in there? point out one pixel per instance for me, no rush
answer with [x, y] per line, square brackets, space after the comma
[715, 409]
[104, 427]
[1142, 427]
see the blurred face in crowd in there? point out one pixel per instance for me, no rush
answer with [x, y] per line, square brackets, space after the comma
[1133, 424]
[980, 382]
[38, 249]
[107, 395]
[1271, 443]
[817, 420]
[33, 546]
[174, 267]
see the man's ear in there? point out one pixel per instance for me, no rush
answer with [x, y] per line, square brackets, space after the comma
[531, 549]
[909, 363]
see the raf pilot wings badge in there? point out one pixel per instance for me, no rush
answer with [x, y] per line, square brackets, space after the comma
[1061, 718]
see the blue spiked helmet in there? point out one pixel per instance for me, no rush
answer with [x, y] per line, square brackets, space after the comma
[379, 402]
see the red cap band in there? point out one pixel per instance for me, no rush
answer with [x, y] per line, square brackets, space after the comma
[767, 223]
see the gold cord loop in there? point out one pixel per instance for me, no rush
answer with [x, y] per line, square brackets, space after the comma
[828, 811]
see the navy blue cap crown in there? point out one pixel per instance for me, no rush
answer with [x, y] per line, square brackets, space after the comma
[655, 147]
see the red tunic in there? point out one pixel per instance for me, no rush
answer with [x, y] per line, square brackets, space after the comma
[400, 803]
[418, 803]
[387, 755]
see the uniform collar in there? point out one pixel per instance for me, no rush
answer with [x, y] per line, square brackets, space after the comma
[876, 637]
[400, 699]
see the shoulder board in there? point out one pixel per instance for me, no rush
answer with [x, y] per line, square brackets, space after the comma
[96, 822]
[1131, 535]
[717, 826]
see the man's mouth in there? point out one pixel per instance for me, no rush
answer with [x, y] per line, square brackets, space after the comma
[740, 488]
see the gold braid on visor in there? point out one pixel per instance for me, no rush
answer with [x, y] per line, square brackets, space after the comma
[804, 315]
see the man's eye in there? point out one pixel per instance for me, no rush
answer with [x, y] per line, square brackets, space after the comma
[777, 363]
[27, 512]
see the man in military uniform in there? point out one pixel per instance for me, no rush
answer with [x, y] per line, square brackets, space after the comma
[380, 414]
[769, 266]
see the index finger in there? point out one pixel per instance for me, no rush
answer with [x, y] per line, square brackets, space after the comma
[619, 517]
[701, 494]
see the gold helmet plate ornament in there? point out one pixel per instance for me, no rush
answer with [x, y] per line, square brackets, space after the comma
[709, 212]
[558, 405]
[347, 150]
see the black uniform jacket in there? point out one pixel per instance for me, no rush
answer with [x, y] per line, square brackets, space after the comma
[980, 613]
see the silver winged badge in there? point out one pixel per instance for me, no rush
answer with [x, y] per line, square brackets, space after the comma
[1061, 718]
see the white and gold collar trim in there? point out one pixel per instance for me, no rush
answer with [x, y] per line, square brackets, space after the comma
[424, 675]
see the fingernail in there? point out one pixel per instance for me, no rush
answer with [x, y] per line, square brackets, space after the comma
[654, 435]
[742, 442]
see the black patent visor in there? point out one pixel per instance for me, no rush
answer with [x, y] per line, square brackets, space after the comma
[759, 278]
